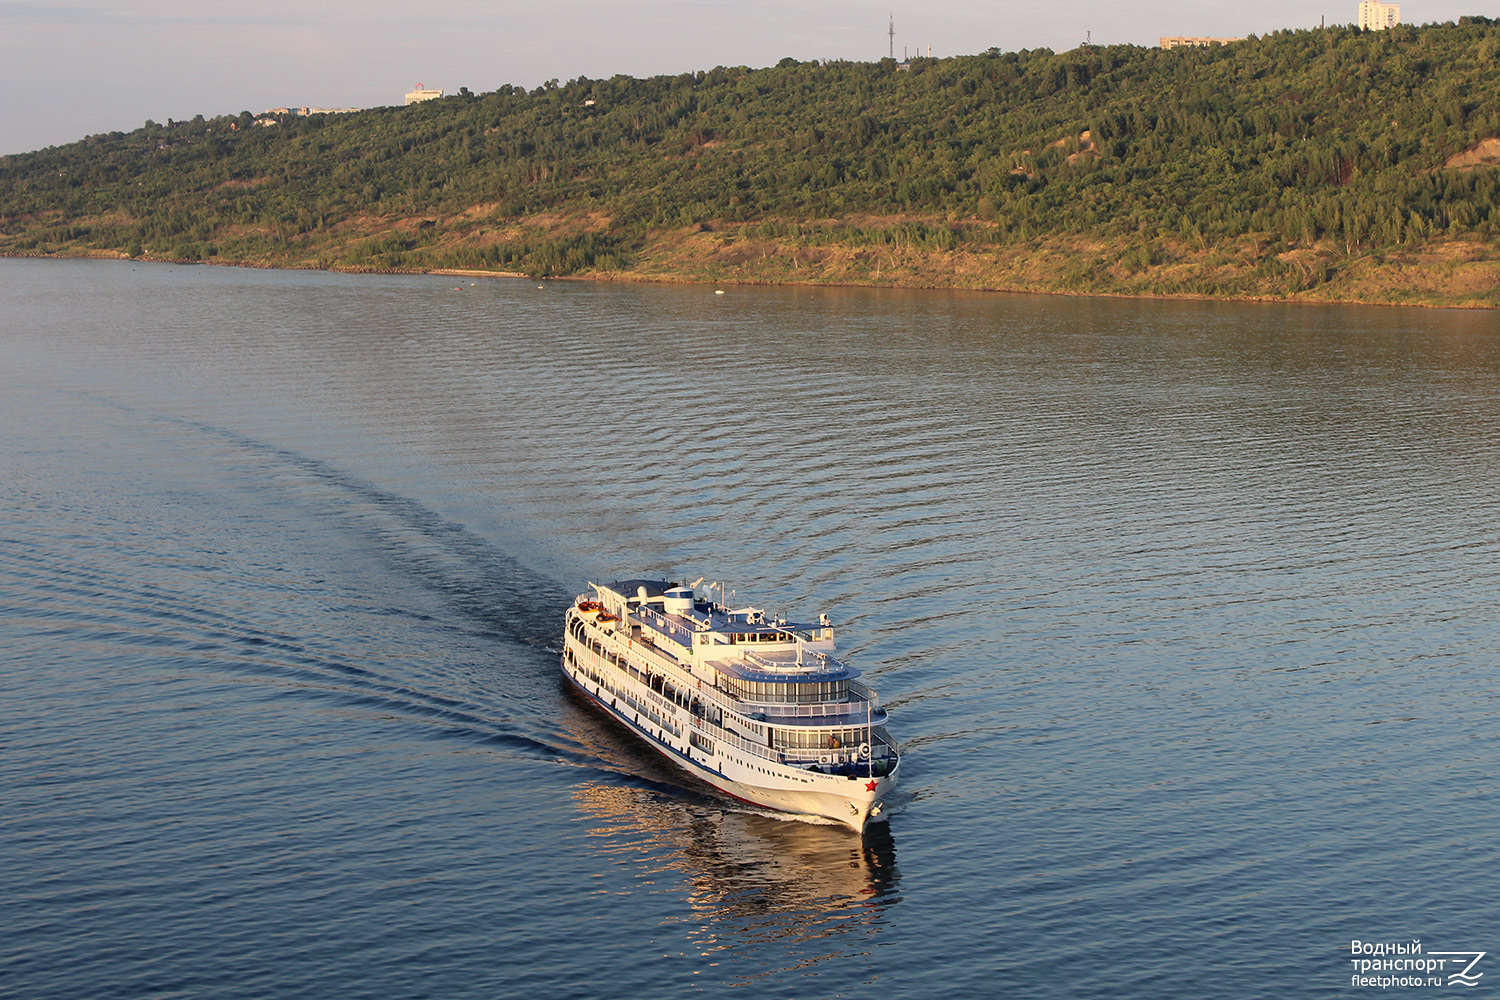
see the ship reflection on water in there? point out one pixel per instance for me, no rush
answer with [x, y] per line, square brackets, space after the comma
[751, 879]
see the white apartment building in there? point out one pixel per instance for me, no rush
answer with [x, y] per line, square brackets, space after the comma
[1184, 42]
[421, 93]
[1378, 16]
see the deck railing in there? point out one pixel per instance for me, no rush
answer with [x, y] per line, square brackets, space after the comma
[723, 735]
[862, 703]
[662, 623]
[821, 663]
[882, 748]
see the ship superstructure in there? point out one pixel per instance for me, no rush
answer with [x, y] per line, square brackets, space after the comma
[759, 708]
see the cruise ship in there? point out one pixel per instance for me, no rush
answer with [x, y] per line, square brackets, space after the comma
[757, 707]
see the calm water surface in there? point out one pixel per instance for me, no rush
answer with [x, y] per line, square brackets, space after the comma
[1187, 615]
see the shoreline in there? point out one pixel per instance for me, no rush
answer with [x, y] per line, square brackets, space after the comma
[679, 279]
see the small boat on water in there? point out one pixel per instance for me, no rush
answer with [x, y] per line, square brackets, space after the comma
[758, 708]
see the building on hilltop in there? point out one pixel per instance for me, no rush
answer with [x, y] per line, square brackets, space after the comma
[420, 93]
[303, 112]
[1180, 42]
[1378, 16]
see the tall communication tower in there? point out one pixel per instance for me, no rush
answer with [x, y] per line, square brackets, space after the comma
[892, 33]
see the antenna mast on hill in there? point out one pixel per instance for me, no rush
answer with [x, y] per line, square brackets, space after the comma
[892, 33]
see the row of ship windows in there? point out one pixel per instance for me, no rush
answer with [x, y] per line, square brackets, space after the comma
[772, 692]
[799, 739]
[814, 635]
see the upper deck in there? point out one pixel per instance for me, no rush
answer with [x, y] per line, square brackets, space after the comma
[676, 614]
[780, 669]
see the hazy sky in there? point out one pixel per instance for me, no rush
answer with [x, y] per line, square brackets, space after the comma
[71, 68]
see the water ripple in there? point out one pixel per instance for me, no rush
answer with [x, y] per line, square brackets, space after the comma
[1185, 614]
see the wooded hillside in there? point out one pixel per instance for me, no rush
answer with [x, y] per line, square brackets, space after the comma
[1330, 163]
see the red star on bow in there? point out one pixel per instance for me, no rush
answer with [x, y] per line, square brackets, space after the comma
[870, 785]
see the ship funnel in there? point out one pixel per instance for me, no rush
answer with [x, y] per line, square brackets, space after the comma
[678, 600]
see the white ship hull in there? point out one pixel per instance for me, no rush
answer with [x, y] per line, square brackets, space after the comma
[606, 666]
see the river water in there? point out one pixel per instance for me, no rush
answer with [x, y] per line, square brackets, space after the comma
[1187, 615]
